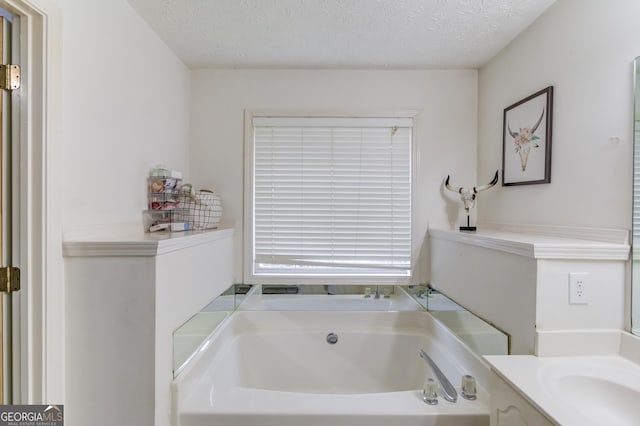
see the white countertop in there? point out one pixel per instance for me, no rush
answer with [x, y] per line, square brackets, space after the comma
[580, 391]
[535, 244]
[130, 240]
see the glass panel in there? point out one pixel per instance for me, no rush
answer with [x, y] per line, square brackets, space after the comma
[481, 337]
[190, 335]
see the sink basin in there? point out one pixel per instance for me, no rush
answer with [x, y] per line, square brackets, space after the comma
[598, 390]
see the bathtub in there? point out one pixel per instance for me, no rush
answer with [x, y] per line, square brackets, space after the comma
[276, 368]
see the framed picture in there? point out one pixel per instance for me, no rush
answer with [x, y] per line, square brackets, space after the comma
[526, 140]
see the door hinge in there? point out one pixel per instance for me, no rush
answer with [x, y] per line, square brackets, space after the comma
[9, 279]
[9, 77]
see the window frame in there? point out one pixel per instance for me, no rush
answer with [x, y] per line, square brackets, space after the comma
[247, 251]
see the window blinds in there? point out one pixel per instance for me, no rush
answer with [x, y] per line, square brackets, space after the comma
[332, 196]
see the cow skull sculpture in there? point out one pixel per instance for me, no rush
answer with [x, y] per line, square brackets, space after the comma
[468, 196]
[524, 140]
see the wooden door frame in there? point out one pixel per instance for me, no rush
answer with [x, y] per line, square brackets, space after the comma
[40, 365]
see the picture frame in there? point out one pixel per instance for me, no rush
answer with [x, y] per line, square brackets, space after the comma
[526, 140]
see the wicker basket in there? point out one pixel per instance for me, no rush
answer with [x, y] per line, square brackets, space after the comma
[200, 209]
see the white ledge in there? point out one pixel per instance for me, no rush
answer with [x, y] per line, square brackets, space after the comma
[537, 246]
[127, 242]
[605, 235]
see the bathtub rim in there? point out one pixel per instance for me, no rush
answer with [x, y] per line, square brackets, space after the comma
[422, 321]
[434, 327]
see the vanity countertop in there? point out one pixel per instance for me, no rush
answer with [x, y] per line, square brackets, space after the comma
[578, 390]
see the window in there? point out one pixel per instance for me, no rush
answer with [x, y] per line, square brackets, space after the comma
[330, 197]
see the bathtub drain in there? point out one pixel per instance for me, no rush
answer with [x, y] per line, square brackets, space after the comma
[332, 338]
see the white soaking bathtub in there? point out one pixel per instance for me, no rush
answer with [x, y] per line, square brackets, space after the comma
[276, 368]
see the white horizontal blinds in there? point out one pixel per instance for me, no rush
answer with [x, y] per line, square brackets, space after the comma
[333, 199]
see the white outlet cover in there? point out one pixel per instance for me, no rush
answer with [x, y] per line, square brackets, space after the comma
[578, 288]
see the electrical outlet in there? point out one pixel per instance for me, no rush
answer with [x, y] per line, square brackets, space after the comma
[578, 288]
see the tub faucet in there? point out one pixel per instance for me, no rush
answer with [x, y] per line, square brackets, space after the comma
[448, 391]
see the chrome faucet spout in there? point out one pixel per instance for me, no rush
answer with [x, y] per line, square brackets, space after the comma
[448, 391]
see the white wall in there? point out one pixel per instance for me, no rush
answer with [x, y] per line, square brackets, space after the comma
[124, 107]
[446, 128]
[117, 101]
[585, 50]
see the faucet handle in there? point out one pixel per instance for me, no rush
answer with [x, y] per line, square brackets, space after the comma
[468, 387]
[448, 391]
[430, 392]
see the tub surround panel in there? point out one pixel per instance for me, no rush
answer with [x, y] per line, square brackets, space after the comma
[191, 277]
[138, 288]
[527, 277]
[496, 285]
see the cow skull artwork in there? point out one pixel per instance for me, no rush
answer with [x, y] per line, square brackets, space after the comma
[468, 197]
[524, 140]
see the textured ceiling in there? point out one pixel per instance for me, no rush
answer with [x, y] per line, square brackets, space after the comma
[338, 33]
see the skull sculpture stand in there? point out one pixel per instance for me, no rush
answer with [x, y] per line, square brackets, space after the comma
[468, 197]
